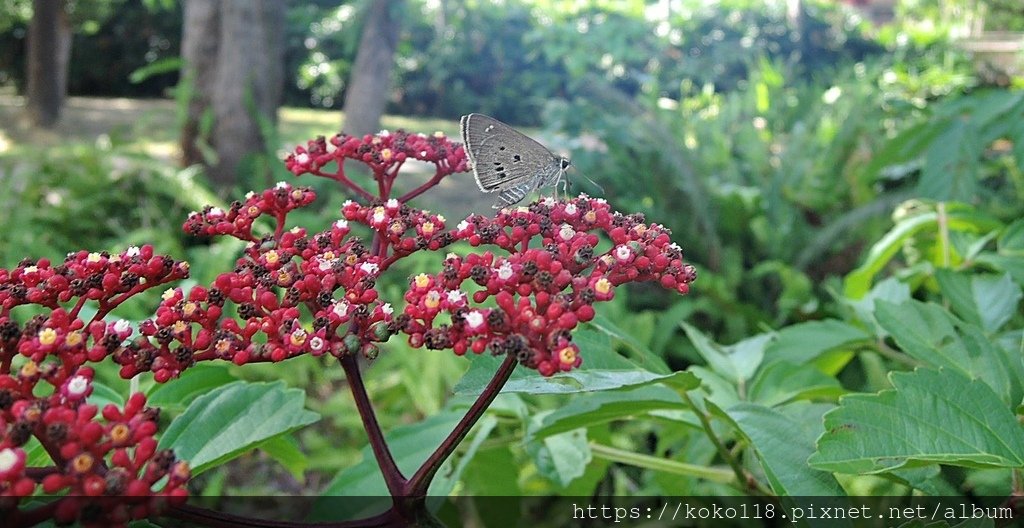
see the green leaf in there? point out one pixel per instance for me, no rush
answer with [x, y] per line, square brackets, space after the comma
[951, 163]
[103, 395]
[410, 446]
[233, 419]
[738, 361]
[782, 443]
[285, 450]
[644, 357]
[858, 281]
[562, 458]
[177, 394]
[985, 300]
[607, 406]
[958, 217]
[1011, 239]
[933, 336]
[601, 370]
[804, 342]
[932, 416]
[781, 382]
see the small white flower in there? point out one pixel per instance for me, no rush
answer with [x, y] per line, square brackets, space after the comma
[341, 308]
[566, 232]
[387, 309]
[249, 195]
[456, 297]
[341, 224]
[675, 246]
[282, 185]
[216, 212]
[132, 251]
[348, 203]
[392, 204]
[326, 264]
[168, 293]
[302, 159]
[549, 201]
[8, 458]
[505, 271]
[463, 225]
[369, 267]
[570, 209]
[475, 319]
[600, 200]
[122, 326]
[77, 386]
[623, 253]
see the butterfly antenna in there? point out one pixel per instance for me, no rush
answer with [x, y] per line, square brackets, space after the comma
[594, 183]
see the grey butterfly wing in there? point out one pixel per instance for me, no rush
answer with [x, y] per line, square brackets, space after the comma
[505, 159]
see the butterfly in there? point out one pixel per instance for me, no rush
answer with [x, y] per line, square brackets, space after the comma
[508, 162]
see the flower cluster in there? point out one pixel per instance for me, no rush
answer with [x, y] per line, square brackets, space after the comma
[331, 275]
[541, 293]
[112, 454]
[384, 153]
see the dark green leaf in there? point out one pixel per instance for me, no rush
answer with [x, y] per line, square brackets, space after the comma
[607, 406]
[178, 393]
[933, 336]
[103, 395]
[233, 419]
[783, 442]
[932, 416]
[781, 382]
[983, 300]
[803, 342]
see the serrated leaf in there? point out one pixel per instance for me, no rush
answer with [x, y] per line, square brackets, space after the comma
[607, 406]
[985, 300]
[177, 394]
[781, 382]
[931, 416]
[933, 336]
[803, 342]
[233, 419]
[782, 445]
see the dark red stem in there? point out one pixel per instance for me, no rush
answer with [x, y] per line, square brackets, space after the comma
[392, 474]
[418, 484]
[438, 176]
[341, 178]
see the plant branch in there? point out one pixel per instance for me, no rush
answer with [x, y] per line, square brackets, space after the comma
[418, 484]
[392, 474]
[742, 477]
[612, 454]
[438, 176]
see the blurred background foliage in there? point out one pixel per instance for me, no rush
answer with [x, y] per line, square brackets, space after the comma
[776, 147]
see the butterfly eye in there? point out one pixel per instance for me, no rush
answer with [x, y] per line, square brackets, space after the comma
[565, 163]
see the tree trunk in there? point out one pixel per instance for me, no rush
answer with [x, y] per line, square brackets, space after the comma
[370, 85]
[199, 42]
[234, 51]
[49, 50]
